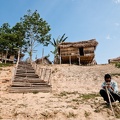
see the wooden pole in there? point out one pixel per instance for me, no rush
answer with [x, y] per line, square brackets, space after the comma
[18, 57]
[110, 102]
[6, 55]
[42, 54]
[60, 59]
[60, 56]
[79, 60]
[70, 59]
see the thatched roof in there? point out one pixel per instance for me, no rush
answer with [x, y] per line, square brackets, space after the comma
[45, 60]
[89, 43]
[118, 58]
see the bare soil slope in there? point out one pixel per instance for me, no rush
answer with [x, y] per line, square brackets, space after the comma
[74, 95]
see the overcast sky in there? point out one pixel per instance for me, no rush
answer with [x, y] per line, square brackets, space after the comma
[78, 19]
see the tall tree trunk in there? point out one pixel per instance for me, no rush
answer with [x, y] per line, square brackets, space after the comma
[6, 56]
[31, 47]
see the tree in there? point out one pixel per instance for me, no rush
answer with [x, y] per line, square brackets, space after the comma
[5, 35]
[31, 31]
[56, 42]
[11, 38]
[36, 31]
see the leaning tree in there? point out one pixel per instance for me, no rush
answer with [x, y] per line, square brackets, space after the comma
[36, 31]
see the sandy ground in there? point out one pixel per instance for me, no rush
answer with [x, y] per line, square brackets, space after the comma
[74, 95]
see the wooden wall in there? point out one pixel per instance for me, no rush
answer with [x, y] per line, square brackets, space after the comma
[69, 51]
[88, 50]
[73, 55]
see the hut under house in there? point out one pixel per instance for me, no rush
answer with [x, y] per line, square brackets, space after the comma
[43, 60]
[82, 52]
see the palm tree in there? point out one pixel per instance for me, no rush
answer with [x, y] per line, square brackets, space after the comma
[55, 43]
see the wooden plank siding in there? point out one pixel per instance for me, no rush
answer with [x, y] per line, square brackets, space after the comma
[86, 59]
[70, 59]
[88, 50]
[69, 51]
[89, 54]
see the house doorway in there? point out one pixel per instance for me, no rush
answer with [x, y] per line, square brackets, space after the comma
[81, 51]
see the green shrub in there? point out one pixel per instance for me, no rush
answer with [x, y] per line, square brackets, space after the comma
[117, 64]
[89, 96]
[35, 92]
[5, 65]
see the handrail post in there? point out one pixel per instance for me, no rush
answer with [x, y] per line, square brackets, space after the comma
[18, 57]
[15, 68]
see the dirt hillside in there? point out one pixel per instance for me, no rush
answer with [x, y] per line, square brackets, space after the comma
[74, 95]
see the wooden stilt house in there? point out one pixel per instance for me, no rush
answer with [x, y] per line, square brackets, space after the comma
[8, 58]
[77, 52]
[114, 60]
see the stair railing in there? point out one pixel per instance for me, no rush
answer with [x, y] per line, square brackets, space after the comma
[14, 71]
[43, 73]
[13, 74]
[15, 68]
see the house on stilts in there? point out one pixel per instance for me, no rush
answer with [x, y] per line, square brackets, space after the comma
[114, 60]
[82, 52]
[6, 58]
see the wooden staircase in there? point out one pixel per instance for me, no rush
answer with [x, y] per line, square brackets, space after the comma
[26, 80]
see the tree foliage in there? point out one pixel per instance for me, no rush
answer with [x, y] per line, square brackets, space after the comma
[31, 31]
[36, 31]
[11, 38]
[56, 42]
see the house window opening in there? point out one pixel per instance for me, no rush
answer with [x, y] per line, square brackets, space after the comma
[8, 56]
